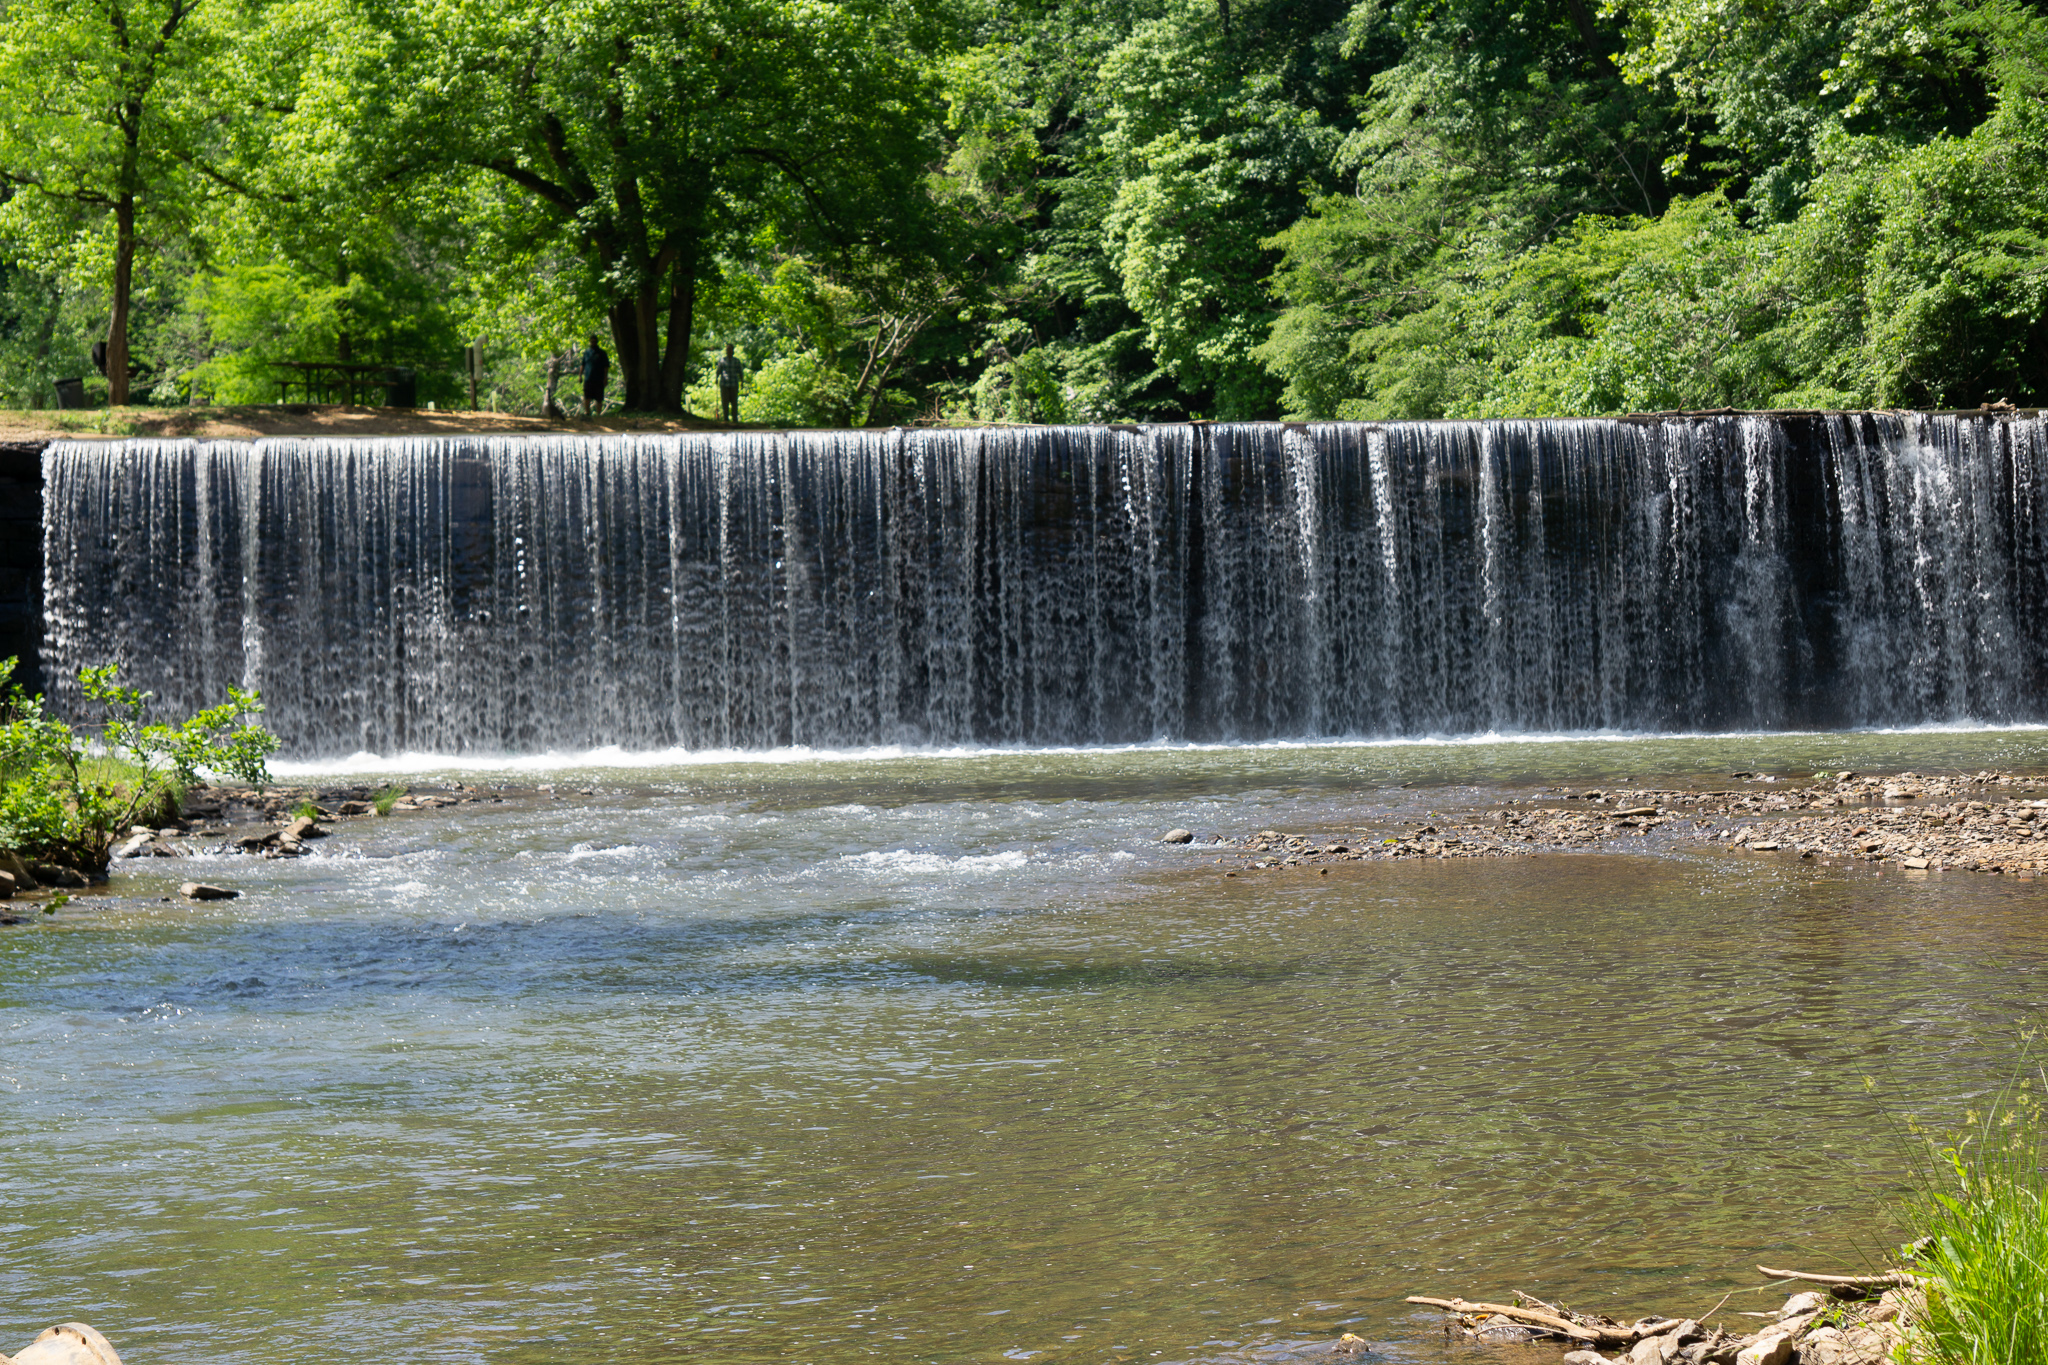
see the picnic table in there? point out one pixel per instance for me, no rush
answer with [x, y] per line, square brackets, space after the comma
[328, 381]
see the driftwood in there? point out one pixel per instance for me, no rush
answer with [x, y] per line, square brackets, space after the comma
[1871, 1334]
[1890, 1279]
[1591, 1335]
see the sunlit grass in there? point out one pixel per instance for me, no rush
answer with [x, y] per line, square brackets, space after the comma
[124, 776]
[1981, 1205]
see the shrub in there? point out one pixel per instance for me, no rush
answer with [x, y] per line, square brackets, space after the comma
[65, 793]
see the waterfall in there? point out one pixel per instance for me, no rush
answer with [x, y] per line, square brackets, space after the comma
[1064, 585]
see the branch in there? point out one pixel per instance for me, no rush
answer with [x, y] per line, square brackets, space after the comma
[81, 195]
[554, 194]
[789, 166]
[557, 139]
[1593, 1335]
[1891, 1279]
[227, 181]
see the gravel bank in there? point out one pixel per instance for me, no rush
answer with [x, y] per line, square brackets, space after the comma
[1979, 822]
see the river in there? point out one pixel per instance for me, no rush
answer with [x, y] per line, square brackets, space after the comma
[941, 1057]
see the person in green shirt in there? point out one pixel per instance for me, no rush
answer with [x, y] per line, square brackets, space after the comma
[727, 373]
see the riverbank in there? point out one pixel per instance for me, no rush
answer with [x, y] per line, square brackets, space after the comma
[271, 822]
[1993, 822]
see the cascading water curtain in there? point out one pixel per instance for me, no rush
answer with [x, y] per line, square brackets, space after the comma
[1073, 585]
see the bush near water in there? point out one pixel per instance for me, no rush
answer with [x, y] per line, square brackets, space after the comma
[1019, 210]
[66, 792]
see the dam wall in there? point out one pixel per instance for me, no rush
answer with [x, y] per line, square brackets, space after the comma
[1066, 585]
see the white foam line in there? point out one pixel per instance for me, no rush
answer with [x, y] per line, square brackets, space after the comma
[614, 758]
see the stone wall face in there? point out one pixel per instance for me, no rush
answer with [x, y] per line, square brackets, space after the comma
[21, 558]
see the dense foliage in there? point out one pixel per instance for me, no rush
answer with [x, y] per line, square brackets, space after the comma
[1036, 211]
[66, 792]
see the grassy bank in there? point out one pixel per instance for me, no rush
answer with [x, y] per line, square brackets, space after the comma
[1981, 1209]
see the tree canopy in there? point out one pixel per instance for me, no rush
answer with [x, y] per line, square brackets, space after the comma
[1033, 211]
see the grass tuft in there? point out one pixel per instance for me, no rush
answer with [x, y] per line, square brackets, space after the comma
[163, 796]
[385, 799]
[1981, 1205]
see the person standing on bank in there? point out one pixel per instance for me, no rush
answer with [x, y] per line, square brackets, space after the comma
[597, 368]
[727, 373]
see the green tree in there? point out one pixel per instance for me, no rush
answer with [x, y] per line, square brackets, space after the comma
[648, 133]
[107, 107]
[1494, 127]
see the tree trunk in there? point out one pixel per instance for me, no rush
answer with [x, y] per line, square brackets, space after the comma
[626, 351]
[45, 335]
[682, 320]
[653, 373]
[344, 344]
[1589, 34]
[124, 284]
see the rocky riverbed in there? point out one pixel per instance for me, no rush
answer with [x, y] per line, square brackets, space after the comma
[1994, 822]
[1851, 1320]
[278, 822]
[271, 822]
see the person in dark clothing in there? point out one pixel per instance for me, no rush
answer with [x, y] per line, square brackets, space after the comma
[728, 372]
[597, 368]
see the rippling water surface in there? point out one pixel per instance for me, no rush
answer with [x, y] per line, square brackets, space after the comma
[942, 1058]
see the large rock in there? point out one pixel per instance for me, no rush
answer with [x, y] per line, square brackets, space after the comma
[50, 874]
[304, 828]
[24, 880]
[73, 1343]
[1666, 1346]
[1177, 836]
[1774, 1348]
[1803, 1304]
[135, 846]
[200, 891]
